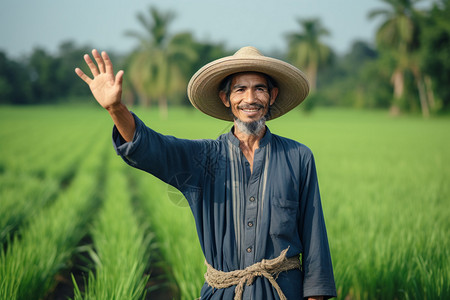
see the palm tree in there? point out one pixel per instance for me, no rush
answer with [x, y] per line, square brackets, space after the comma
[157, 67]
[306, 49]
[398, 37]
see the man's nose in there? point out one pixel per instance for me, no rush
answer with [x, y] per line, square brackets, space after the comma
[250, 96]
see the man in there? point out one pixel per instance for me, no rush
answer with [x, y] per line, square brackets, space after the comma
[254, 195]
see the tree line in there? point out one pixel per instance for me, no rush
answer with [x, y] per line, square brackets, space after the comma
[405, 69]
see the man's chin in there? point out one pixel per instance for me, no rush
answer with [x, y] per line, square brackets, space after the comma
[254, 127]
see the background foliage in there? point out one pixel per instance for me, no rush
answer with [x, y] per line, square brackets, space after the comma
[405, 69]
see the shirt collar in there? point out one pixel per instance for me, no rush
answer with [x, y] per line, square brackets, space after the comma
[262, 143]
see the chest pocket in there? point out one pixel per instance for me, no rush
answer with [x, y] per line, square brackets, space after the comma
[283, 217]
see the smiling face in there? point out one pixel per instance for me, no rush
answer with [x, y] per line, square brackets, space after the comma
[249, 97]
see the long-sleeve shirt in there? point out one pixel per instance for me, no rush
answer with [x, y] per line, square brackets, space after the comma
[243, 216]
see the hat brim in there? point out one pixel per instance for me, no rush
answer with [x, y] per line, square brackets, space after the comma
[203, 88]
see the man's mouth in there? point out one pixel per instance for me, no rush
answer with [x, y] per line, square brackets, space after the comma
[251, 108]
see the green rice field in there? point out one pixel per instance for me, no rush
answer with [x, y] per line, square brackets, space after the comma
[77, 223]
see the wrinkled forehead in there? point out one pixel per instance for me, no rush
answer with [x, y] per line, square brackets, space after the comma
[244, 75]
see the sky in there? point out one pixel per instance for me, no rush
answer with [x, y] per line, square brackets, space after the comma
[26, 24]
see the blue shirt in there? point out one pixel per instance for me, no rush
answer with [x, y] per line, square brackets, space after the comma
[241, 216]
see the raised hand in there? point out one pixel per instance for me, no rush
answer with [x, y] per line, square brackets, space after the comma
[107, 90]
[105, 86]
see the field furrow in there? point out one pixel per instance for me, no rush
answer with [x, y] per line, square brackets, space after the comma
[29, 264]
[175, 233]
[27, 189]
[384, 187]
[122, 245]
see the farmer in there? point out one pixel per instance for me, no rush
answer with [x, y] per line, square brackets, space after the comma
[254, 195]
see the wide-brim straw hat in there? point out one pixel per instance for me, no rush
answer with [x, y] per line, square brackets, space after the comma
[203, 88]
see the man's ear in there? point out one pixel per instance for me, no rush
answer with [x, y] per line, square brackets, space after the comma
[223, 97]
[273, 95]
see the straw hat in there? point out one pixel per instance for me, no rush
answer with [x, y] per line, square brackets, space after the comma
[203, 88]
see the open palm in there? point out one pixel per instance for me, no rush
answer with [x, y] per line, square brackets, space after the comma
[105, 86]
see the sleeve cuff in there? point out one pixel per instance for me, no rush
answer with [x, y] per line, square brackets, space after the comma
[325, 293]
[123, 148]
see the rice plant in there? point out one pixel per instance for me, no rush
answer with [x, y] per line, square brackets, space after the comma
[22, 196]
[176, 237]
[29, 263]
[27, 189]
[121, 244]
[384, 187]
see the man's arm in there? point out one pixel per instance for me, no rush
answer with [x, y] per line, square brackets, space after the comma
[107, 90]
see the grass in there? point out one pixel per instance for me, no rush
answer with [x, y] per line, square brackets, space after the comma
[384, 186]
[121, 244]
[22, 197]
[44, 246]
[174, 229]
[37, 162]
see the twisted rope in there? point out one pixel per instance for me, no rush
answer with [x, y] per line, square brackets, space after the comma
[268, 268]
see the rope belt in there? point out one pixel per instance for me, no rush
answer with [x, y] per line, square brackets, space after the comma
[269, 268]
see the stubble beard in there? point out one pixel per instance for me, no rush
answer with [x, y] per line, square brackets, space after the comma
[254, 127]
[251, 128]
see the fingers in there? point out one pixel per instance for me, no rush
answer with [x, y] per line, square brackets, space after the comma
[119, 78]
[104, 65]
[83, 76]
[91, 65]
[108, 63]
[99, 60]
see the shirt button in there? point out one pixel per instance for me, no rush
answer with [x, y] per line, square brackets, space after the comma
[252, 198]
[250, 224]
[249, 249]
[247, 164]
